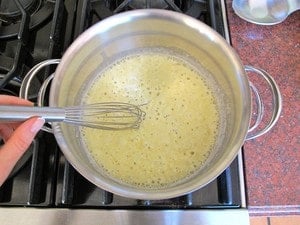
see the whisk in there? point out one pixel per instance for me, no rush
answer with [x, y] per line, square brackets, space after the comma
[106, 115]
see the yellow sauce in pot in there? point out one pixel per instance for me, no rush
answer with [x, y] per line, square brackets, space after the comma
[180, 126]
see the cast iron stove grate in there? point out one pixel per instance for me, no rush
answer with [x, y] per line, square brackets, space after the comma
[45, 178]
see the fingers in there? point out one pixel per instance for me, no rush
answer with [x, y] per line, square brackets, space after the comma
[12, 100]
[6, 130]
[17, 144]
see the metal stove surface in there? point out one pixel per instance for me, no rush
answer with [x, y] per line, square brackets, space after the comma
[43, 181]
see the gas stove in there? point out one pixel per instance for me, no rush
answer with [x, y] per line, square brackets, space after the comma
[43, 184]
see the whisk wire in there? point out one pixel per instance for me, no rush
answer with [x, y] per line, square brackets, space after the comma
[107, 116]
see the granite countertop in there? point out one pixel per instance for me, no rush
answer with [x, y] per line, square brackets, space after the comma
[272, 161]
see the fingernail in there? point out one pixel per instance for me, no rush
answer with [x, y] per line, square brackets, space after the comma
[37, 125]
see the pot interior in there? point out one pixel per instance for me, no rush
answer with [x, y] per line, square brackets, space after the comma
[136, 31]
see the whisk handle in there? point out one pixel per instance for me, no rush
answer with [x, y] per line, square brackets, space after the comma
[22, 113]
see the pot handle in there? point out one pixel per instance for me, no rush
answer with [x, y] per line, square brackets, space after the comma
[25, 85]
[254, 131]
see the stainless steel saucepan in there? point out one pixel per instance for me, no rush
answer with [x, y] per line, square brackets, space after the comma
[153, 28]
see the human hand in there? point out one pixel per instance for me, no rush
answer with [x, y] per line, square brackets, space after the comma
[17, 137]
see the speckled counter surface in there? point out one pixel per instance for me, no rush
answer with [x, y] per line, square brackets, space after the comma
[272, 161]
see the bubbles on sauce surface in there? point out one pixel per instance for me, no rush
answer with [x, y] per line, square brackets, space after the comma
[179, 129]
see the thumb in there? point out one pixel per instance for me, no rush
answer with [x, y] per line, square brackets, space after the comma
[17, 144]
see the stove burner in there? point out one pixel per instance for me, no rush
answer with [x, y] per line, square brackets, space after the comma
[10, 13]
[46, 179]
[11, 16]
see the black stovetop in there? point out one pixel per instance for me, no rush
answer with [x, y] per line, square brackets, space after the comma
[35, 30]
